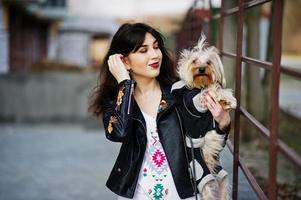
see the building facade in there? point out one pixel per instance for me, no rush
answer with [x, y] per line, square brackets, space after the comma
[25, 27]
[4, 41]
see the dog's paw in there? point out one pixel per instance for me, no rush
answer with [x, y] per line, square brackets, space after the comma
[225, 97]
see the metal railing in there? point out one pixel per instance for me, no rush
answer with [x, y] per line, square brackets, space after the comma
[271, 133]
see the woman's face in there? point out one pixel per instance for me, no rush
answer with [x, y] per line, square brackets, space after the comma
[145, 62]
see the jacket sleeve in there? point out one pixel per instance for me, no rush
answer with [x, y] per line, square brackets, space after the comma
[225, 132]
[117, 113]
[190, 105]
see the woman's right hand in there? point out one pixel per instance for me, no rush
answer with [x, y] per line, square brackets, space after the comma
[118, 68]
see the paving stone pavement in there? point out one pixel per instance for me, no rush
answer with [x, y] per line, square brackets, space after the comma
[64, 162]
[47, 162]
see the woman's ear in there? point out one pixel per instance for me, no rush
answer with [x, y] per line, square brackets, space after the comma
[126, 62]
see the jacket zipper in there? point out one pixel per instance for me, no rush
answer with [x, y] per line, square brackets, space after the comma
[130, 99]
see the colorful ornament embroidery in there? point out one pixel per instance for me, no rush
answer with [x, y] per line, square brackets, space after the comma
[158, 191]
[113, 120]
[119, 98]
[144, 172]
[158, 158]
[155, 169]
[154, 146]
[154, 136]
[162, 105]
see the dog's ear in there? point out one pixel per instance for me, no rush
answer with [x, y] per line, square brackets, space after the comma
[221, 67]
[218, 66]
[185, 54]
[184, 59]
[183, 66]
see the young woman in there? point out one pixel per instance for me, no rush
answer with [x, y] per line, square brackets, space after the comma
[133, 96]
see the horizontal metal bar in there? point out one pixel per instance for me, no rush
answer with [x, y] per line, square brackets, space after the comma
[284, 149]
[289, 153]
[231, 11]
[216, 16]
[247, 5]
[253, 3]
[251, 179]
[253, 61]
[291, 71]
[262, 129]
[232, 55]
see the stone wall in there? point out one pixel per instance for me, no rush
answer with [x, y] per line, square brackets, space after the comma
[39, 97]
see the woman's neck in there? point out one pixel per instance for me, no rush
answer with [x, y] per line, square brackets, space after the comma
[146, 86]
[147, 93]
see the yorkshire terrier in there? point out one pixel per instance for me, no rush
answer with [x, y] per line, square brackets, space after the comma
[201, 70]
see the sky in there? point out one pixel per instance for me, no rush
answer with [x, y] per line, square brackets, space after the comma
[132, 8]
[127, 8]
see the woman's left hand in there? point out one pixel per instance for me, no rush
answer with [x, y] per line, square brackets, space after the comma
[219, 114]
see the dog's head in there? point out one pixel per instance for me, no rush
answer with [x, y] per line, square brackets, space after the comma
[201, 66]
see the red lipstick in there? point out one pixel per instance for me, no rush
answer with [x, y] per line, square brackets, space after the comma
[154, 65]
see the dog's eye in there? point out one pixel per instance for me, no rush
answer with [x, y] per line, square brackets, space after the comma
[208, 62]
[194, 61]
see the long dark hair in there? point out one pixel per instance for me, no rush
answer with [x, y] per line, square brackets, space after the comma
[129, 38]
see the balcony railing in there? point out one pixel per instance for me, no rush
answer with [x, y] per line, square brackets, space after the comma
[45, 9]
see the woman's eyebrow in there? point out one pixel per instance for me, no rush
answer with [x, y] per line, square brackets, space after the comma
[145, 45]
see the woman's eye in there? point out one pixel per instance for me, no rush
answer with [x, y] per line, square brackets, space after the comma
[143, 50]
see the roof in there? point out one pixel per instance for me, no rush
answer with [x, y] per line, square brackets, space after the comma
[90, 25]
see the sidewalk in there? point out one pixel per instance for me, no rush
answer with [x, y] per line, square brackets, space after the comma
[64, 162]
[47, 162]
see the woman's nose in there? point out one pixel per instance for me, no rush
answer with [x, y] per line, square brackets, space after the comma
[154, 53]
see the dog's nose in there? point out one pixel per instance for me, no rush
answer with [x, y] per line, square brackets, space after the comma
[202, 70]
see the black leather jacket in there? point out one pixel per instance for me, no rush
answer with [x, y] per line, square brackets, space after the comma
[124, 122]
